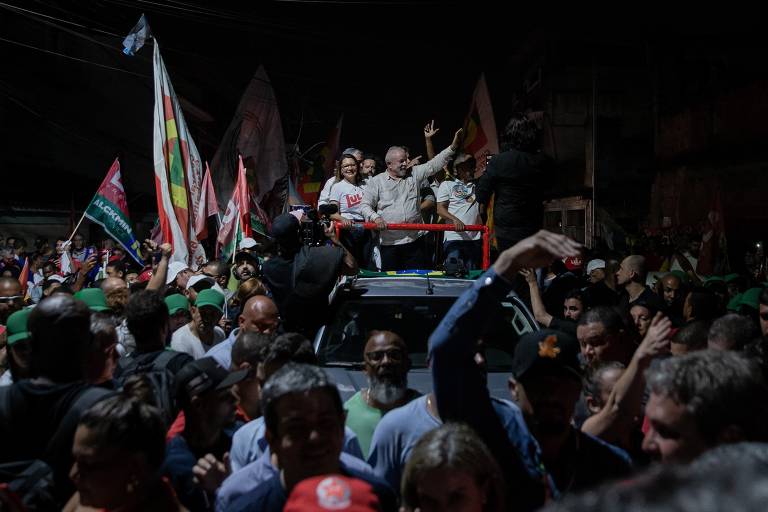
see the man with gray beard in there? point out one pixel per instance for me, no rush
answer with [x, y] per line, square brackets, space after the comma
[386, 366]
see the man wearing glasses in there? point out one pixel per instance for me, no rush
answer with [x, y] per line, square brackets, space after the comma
[386, 366]
[11, 299]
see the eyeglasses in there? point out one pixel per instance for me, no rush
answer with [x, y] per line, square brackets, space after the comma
[394, 354]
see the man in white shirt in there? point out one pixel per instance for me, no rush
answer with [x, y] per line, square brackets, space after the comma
[393, 197]
[203, 332]
[456, 203]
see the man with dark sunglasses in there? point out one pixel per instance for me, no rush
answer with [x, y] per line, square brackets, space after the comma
[386, 366]
[11, 298]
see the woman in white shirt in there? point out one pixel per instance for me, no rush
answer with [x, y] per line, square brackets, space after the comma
[347, 195]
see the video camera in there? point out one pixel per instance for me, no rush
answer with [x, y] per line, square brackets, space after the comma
[314, 224]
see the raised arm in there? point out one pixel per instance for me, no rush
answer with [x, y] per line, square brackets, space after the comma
[539, 311]
[625, 400]
[429, 132]
[425, 170]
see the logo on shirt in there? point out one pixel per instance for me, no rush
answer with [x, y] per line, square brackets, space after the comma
[333, 494]
[353, 200]
[462, 191]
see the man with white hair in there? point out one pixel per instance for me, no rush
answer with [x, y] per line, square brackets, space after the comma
[393, 197]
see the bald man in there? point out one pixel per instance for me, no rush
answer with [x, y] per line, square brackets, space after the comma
[631, 277]
[259, 314]
[386, 367]
[11, 299]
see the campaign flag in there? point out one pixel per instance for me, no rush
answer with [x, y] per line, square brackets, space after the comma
[109, 209]
[178, 171]
[255, 134]
[310, 183]
[480, 139]
[209, 207]
[236, 222]
[136, 37]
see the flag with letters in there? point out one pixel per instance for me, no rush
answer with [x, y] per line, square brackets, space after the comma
[109, 209]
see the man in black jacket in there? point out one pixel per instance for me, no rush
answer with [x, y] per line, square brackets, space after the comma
[516, 177]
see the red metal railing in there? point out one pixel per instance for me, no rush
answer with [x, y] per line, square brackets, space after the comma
[429, 227]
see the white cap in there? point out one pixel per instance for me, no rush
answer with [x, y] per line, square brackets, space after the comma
[57, 278]
[200, 277]
[594, 265]
[247, 243]
[173, 270]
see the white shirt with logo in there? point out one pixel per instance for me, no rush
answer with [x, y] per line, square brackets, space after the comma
[463, 205]
[350, 199]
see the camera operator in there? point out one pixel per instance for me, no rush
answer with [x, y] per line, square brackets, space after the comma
[302, 276]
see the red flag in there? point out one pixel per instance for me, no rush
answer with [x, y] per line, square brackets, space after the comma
[208, 205]
[24, 276]
[480, 138]
[331, 149]
[236, 222]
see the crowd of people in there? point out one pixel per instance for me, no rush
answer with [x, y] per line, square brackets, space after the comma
[163, 387]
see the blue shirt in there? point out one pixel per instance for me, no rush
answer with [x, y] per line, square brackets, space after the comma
[248, 478]
[270, 496]
[249, 443]
[222, 352]
[462, 395]
[400, 429]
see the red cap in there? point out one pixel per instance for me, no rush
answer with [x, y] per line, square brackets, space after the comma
[332, 492]
[145, 276]
[115, 258]
[574, 263]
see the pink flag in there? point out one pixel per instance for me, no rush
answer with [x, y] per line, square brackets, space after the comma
[208, 205]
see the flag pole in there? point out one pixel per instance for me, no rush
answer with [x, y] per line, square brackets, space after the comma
[76, 228]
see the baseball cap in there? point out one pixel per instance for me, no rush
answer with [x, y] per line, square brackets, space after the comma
[751, 298]
[204, 375]
[176, 302]
[17, 326]
[735, 303]
[210, 297]
[246, 255]
[546, 352]
[594, 265]
[200, 278]
[332, 492]
[573, 262]
[94, 298]
[145, 276]
[285, 226]
[247, 243]
[173, 270]
[57, 278]
[713, 279]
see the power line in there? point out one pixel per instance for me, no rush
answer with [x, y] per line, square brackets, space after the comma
[19, 43]
[15, 8]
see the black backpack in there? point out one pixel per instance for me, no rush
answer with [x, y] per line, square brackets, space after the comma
[160, 377]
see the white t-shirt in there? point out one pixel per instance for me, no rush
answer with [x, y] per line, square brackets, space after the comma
[324, 193]
[183, 340]
[463, 205]
[350, 199]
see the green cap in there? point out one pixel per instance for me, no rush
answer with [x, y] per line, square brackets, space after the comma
[94, 298]
[681, 275]
[17, 326]
[751, 298]
[176, 302]
[735, 303]
[731, 277]
[713, 279]
[210, 297]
